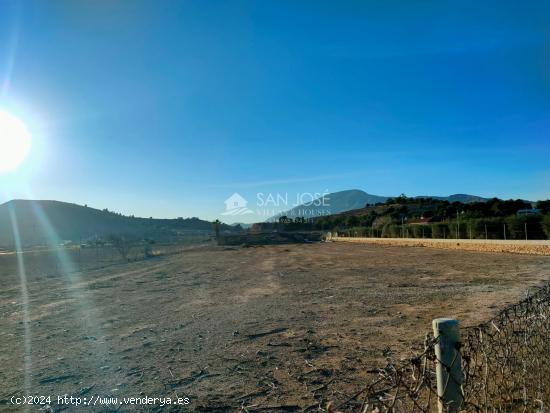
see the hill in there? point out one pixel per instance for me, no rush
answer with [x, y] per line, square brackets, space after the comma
[463, 198]
[47, 222]
[426, 217]
[339, 202]
[332, 203]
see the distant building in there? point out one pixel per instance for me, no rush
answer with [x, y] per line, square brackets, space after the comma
[531, 211]
[424, 220]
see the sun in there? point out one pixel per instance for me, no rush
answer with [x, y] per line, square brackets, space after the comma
[15, 142]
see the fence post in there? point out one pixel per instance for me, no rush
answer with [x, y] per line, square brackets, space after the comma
[448, 367]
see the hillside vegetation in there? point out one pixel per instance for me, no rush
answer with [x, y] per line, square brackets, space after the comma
[343, 201]
[436, 218]
[52, 222]
[334, 202]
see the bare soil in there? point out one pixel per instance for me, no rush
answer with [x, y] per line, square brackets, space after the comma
[533, 247]
[275, 328]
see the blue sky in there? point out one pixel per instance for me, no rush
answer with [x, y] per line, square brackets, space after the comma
[166, 108]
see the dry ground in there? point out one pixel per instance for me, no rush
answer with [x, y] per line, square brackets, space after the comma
[275, 328]
[532, 247]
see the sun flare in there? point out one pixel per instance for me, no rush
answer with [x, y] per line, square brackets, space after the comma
[15, 142]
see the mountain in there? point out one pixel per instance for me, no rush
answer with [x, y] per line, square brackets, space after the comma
[333, 203]
[243, 225]
[47, 222]
[464, 198]
[343, 201]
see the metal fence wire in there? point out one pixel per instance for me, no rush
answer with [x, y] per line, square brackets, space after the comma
[505, 368]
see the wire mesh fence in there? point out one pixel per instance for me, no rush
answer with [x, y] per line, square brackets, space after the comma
[504, 368]
[54, 260]
[488, 229]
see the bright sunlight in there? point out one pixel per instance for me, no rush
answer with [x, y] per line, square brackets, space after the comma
[15, 142]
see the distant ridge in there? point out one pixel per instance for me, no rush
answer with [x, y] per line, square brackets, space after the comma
[343, 201]
[332, 203]
[41, 222]
[464, 198]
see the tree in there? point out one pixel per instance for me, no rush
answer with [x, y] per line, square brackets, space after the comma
[148, 248]
[401, 199]
[352, 221]
[367, 220]
[546, 225]
[508, 207]
[440, 230]
[517, 226]
[216, 224]
[121, 244]
[428, 214]
[544, 206]
[420, 231]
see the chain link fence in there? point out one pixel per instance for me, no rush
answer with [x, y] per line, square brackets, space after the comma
[52, 261]
[504, 368]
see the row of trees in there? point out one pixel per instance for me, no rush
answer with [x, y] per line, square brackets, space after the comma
[511, 227]
[493, 207]
[428, 217]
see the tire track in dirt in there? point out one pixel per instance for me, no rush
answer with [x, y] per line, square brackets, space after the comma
[267, 282]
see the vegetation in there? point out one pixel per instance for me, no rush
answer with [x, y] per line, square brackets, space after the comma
[546, 225]
[122, 244]
[433, 218]
[53, 222]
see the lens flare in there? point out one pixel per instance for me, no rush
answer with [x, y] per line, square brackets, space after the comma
[15, 142]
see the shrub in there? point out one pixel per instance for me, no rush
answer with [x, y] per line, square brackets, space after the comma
[420, 231]
[492, 228]
[518, 225]
[461, 229]
[546, 225]
[544, 206]
[440, 230]
[391, 231]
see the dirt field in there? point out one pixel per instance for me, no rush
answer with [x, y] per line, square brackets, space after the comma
[278, 328]
[532, 247]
